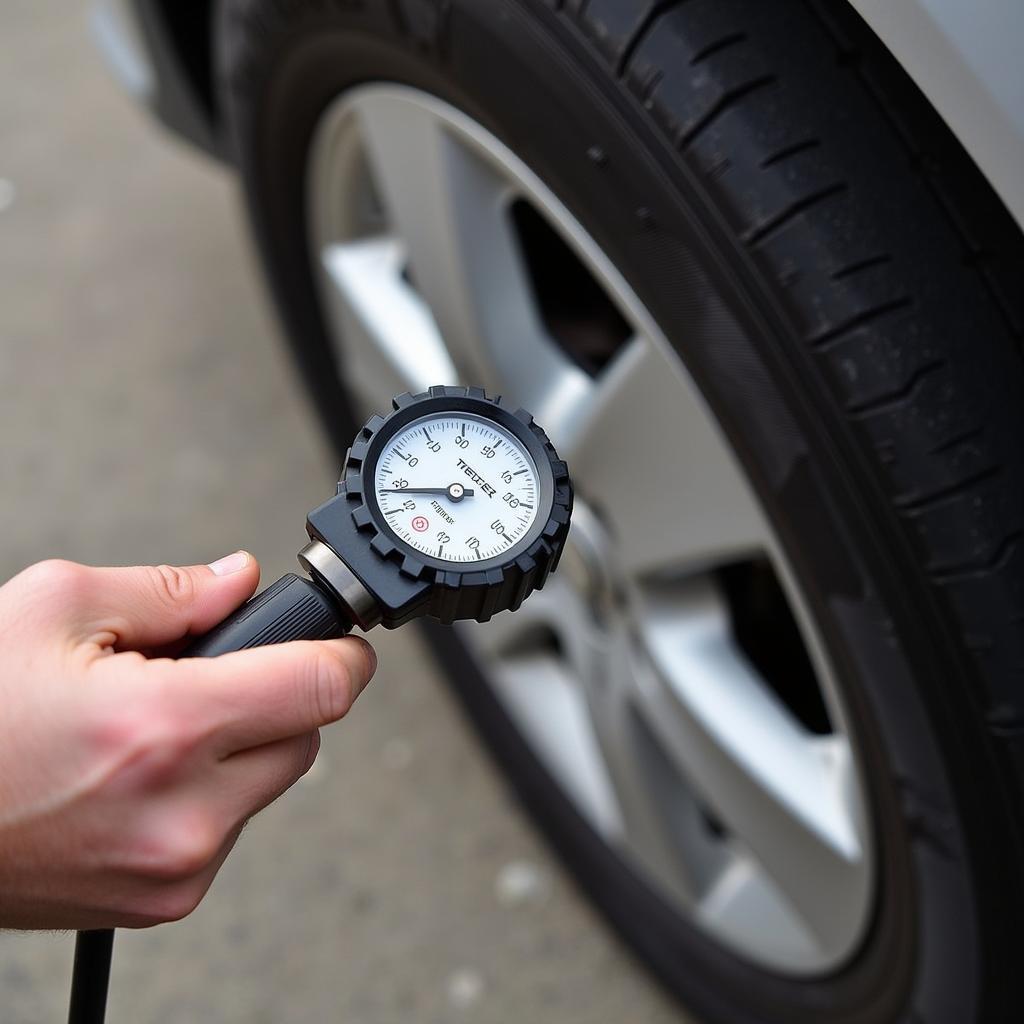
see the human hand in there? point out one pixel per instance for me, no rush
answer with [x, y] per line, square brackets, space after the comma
[126, 776]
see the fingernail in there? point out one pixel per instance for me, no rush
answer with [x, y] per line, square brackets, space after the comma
[312, 749]
[230, 563]
[361, 678]
[372, 655]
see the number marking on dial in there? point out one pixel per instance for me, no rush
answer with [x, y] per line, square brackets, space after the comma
[477, 489]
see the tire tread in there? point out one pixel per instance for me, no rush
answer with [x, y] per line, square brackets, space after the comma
[714, 46]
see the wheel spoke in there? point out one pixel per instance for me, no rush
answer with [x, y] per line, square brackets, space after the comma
[743, 905]
[451, 207]
[783, 793]
[655, 815]
[574, 708]
[540, 655]
[391, 341]
[645, 449]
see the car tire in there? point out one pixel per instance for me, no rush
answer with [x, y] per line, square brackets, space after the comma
[768, 169]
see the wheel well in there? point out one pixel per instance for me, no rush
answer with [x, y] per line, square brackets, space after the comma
[190, 33]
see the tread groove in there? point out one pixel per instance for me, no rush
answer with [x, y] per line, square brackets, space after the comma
[967, 435]
[788, 151]
[955, 490]
[1000, 557]
[729, 99]
[1005, 721]
[856, 268]
[712, 48]
[650, 85]
[794, 209]
[820, 341]
[641, 31]
[894, 398]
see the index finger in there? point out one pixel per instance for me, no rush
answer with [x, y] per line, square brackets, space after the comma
[248, 698]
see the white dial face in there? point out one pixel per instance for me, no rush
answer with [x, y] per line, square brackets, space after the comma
[457, 487]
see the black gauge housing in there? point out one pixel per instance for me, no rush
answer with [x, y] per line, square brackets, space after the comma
[408, 583]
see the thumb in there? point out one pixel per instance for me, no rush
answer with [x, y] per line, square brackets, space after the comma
[152, 605]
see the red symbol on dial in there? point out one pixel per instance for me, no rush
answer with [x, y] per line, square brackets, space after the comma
[420, 523]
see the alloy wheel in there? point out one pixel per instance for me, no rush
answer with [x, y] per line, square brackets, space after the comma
[670, 676]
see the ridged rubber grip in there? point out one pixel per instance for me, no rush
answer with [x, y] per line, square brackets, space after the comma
[293, 608]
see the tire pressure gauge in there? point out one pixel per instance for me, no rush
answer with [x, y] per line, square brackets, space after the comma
[453, 506]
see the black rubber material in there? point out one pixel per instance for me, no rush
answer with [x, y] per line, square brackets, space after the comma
[90, 976]
[839, 280]
[292, 608]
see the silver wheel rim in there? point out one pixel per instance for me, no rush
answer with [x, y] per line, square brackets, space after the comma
[624, 674]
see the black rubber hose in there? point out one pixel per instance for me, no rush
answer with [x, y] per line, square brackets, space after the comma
[90, 976]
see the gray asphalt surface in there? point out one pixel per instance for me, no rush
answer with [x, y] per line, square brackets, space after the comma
[148, 413]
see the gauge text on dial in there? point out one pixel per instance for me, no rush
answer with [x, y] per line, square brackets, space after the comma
[457, 487]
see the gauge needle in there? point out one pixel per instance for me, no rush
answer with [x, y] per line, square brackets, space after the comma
[456, 492]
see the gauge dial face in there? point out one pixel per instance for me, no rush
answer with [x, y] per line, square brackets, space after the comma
[457, 487]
